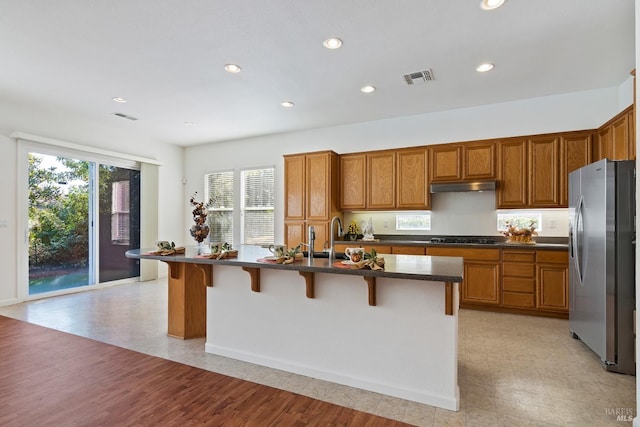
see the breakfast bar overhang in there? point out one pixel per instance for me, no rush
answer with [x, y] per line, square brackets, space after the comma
[392, 331]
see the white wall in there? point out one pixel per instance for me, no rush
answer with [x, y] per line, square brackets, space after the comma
[575, 111]
[76, 130]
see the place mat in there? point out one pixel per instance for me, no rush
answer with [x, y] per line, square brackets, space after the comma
[220, 255]
[165, 252]
[360, 265]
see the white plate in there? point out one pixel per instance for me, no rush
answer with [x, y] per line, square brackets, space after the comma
[271, 258]
[349, 262]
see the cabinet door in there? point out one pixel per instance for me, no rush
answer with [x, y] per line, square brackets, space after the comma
[353, 169]
[575, 152]
[381, 180]
[294, 233]
[620, 141]
[552, 287]
[294, 187]
[544, 171]
[478, 160]
[445, 162]
[412, 192]
[318, 183]
[512, 173]
[481, 283]
[604, 146]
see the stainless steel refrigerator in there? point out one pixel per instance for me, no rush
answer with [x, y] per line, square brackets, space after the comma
[602, 261]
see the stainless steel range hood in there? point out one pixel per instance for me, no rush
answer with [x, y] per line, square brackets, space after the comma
[450, 187]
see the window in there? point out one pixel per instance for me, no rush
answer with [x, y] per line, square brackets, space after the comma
[519, 220]
[219, 188]
[413, 222]
[120, 212]
[258, 200]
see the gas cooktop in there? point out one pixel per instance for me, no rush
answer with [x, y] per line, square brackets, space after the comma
[463, 240]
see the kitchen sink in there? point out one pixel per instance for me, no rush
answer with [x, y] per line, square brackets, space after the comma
[339, 255]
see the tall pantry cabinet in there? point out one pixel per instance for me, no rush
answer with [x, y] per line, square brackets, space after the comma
[311, 189]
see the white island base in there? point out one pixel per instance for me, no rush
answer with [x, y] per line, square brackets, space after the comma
[405, 346]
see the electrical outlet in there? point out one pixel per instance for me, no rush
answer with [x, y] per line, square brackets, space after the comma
[553, 223]
[386, 224]
[4, 223]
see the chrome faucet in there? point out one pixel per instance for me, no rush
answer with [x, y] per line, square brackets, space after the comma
[332, 242]
[312, 242]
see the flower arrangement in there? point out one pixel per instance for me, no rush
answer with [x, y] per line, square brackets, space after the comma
[520, 235]
[200, 230]
[353, 230]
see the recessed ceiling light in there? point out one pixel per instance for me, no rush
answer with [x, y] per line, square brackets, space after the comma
[491, 4]
[287, 104]
[332, 43]
[483, 68]
[118, 99]
[189, 123]
[233, 68]
[368, 89]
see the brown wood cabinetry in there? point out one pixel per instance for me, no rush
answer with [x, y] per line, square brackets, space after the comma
[533, 172]
[481, 283]
[575, 152]
[381, 180]
[552, 280]
[512, 173]
[518, 278]
[467, 161]
[445, 161]
[616, 138]
[544, 171]
[408, 250]
[353, 181]
[412, 183]
[311, 188]
[384, 180]
[478, 160]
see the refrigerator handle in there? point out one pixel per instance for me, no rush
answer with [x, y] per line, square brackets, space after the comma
[575, 235]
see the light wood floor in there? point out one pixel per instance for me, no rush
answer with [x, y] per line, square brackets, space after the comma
[51, 378]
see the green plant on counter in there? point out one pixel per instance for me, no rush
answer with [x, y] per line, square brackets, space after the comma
[353, 228]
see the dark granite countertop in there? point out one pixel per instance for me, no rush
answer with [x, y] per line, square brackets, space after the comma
[542, 243]
[428, 268]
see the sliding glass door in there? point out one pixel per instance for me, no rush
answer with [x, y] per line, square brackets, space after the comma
[83, 216]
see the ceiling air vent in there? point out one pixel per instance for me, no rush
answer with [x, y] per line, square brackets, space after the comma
[419, 77]
[124, 116]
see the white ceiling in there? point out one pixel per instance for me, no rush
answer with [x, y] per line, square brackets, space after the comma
[167, 56]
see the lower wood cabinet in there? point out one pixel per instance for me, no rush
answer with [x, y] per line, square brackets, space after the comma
[552, 284]
[481, 284]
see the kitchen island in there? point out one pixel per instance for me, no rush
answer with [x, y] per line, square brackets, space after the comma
[393, 331]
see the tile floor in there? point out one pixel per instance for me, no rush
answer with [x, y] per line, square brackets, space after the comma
[513, 370]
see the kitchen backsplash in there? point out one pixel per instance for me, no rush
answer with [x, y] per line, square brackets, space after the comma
[462, 214]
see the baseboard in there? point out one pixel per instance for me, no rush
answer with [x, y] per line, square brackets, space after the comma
[446, 402]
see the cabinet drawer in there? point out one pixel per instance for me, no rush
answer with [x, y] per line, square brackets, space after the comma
[515, 299]
[529, 256]
[518, 284]
[408, 250]
[518, 269]
[467, 253]
[553, 257]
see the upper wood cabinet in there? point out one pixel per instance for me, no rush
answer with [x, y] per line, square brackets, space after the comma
[446, 162]
[311, 188]
[616, 138]
[533, 172]
[479, 160]
[381, 180]
[467, 161]
[294, 187]
[512, 173]
[321, 185]
[544, 171]
[412, 184]
[353, 181]
[575, 152]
